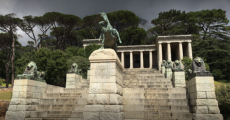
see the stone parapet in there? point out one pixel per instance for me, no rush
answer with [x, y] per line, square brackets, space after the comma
[178, 79]
[105, 90]
[203, 103]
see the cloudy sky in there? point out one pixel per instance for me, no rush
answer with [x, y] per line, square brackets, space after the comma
[146, 9]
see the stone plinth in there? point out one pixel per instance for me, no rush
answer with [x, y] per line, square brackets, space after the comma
[179, 79]
[168, 72]
[72, 80]
[105, 90]
[25, 98]
[203, 99]
[163, 69]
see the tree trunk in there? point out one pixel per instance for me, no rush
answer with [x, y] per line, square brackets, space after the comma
[7, 73]
[12, 61]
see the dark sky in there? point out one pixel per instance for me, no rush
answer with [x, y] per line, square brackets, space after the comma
[145, 9]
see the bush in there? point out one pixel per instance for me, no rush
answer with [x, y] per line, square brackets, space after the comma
[223, 98]
[90, 48]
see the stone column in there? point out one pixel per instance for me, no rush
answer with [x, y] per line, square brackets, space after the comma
[72, 80]
[123, 59]
[190, 50]
[150, 59]
[104, 100]
[159, 56]
[141, 59]
[203, 103]
[168, 51]
[131, 60]
[178, 79]
[180, 51]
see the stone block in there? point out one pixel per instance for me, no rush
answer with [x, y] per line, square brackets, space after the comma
[21, 88]
[98, 66]
[205, 102]
[111, 88]
[113, 108]
[111, 116]
[205, 87]
[134, 115]
[211, 95]
[102, 99]
[208, 117]
[91, 116]
[95, 88]
[115, 99]
[202, 80]
[133, 107]
[200, 109]
[198, 95]
[17, 115]
[25, 82]
[213, 110]
[94, 108]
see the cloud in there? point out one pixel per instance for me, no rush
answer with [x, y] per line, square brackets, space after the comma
[145, 9]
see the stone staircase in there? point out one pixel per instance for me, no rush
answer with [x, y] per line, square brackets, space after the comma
[63, 103]
[148, 95]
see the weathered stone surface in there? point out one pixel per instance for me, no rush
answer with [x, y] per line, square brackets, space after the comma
[208, 117]
[111, 116]
[91, 116]
[168, 72]
[205, 102]
[213, 110]
[200, 109]
[179, 79]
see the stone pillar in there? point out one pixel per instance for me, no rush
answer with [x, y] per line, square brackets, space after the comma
[131, 60]
[190, 50]
[180, 51]
[168, 51]
[203, 101]
[25, 100]
[178, 79]
[123, 59]
[141, 59]
[163, 69]
[72, 80]
[88, 74]
[159, 55]
[104, 100]
[150, 59]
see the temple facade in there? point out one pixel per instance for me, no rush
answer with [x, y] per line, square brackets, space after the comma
[173, 47]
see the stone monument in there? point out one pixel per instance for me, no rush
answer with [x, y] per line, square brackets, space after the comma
[105, 90]
[168, 69]
[109, 35]
[178, 75]
[32, 73]
[73, 76]
[201, 91]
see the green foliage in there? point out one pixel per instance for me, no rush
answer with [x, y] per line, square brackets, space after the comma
[41, 58]
[187, 62]
[123, 19]
[74, 51]
[56, 68]
[83, 64]
[223, 98]
[133, 36]
[90, 48]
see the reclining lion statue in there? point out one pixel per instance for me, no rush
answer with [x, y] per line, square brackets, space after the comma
[74, 69]
[198, 68]
[32, 73]
[177, 66]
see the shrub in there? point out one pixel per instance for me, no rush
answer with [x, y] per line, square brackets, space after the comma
[223, 98]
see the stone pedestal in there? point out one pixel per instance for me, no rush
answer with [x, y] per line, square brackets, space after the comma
[25, 98]
[168, 72]
[203, 99]
[72, 80]
[179, 79]
[105, 90]
[163, 69]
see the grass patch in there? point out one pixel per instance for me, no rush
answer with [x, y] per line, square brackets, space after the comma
[5, 96]
[4, 85]
[218, 83]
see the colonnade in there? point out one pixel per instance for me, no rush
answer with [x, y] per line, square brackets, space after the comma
[141, 59]
[168, 49]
